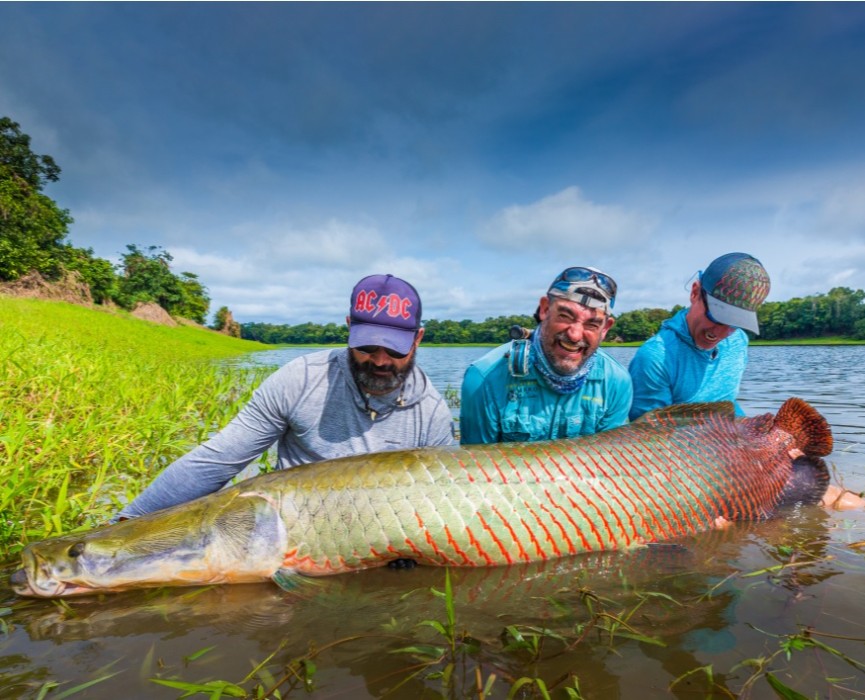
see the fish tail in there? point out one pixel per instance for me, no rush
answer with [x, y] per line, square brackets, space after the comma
[808, 482]
[809, 429]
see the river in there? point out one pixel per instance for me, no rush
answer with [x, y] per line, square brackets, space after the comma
[724, 614]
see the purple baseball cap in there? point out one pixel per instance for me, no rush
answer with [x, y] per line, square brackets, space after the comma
[386, 311]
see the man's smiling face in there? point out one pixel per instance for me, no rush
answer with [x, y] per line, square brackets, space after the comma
[705, 332]
[570, 332]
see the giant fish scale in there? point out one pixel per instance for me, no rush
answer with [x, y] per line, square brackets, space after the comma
[669, 475]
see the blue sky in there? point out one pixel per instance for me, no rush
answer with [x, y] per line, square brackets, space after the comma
[283, 151]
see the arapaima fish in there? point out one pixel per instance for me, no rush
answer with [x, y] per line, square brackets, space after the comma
[675, 471]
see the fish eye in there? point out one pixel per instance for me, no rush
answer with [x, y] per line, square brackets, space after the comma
[76, 550]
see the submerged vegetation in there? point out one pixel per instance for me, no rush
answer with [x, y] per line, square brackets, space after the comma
[93, 405]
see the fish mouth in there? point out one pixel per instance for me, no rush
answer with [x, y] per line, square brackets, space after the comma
[35, 580]
[22, 586]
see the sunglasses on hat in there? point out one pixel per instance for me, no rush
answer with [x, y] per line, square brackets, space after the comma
[573, 276]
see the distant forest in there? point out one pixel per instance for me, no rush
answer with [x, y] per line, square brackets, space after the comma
[840, 313]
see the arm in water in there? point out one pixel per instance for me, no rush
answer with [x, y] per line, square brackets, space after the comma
[208, 467]
[313, 410]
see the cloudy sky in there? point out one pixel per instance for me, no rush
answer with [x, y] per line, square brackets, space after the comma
[283, 151]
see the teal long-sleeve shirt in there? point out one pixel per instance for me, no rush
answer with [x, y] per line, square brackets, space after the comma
[669, 368]
[498, 407]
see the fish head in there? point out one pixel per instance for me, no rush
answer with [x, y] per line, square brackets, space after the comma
[196, 544]
[62, 566]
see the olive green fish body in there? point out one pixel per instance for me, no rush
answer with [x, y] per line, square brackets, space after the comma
[673, 473]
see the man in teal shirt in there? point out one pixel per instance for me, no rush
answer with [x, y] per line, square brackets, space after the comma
[700, 354]
[557, 383]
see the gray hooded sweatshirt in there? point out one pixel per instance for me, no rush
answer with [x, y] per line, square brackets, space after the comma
[312, 409]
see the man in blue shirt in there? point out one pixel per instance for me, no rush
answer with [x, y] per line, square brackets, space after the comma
[700, 354]
[557, 383]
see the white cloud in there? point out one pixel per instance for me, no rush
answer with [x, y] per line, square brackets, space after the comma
[568, 221]
[842, 213]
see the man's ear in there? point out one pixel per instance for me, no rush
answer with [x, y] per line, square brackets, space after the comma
[695, 292]
[348, 321]
[608, 323]
[419, 337]
[544, 308]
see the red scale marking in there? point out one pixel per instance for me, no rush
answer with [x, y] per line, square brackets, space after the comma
[414, 548]
[616, 495]
[468, 473]
[660, 487]
[562, 530]
[432, 543]
[517, 541]
[640, 508]
[592, 528]
[453, 543]
[495, 539]
[564, 472]
[541, 553]
[519, 474]
[529, 461]
[700, 498]
[544, 466]
[730, 491]
[711, 492]
[587, 466]
[477, 546]
[481, 467]
[502, 475]
[594, 503]
[728, 486]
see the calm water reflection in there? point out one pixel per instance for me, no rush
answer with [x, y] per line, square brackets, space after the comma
[715, 601]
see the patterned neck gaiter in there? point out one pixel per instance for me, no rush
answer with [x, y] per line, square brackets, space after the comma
[560, 383]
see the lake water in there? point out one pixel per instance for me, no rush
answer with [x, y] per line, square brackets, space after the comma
[722, 614]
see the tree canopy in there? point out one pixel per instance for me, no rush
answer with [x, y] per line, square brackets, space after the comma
[33, 229]
[32, 226]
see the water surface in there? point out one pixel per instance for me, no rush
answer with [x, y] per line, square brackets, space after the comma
[625, 625]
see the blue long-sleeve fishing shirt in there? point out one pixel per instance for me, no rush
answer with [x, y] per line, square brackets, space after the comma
[496, 406]
[669, 368]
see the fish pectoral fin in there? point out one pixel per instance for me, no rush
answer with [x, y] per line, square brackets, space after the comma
[286, 579]
[293, 582]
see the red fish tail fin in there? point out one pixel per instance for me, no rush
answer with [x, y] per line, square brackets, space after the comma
[809, 429]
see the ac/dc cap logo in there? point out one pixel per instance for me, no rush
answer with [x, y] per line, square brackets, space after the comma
[385, 310]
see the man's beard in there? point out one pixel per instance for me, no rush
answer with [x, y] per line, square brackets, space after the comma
[562, 367]
[374, 384]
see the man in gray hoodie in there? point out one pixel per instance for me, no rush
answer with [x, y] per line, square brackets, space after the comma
[369, 397]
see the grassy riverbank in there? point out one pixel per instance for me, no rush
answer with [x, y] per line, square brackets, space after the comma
[94, 404]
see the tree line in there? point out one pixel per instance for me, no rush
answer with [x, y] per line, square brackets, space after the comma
[841, 313]
[33, 232]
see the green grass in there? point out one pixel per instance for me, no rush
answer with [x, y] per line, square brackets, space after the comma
[94, 404]
[829, 340]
